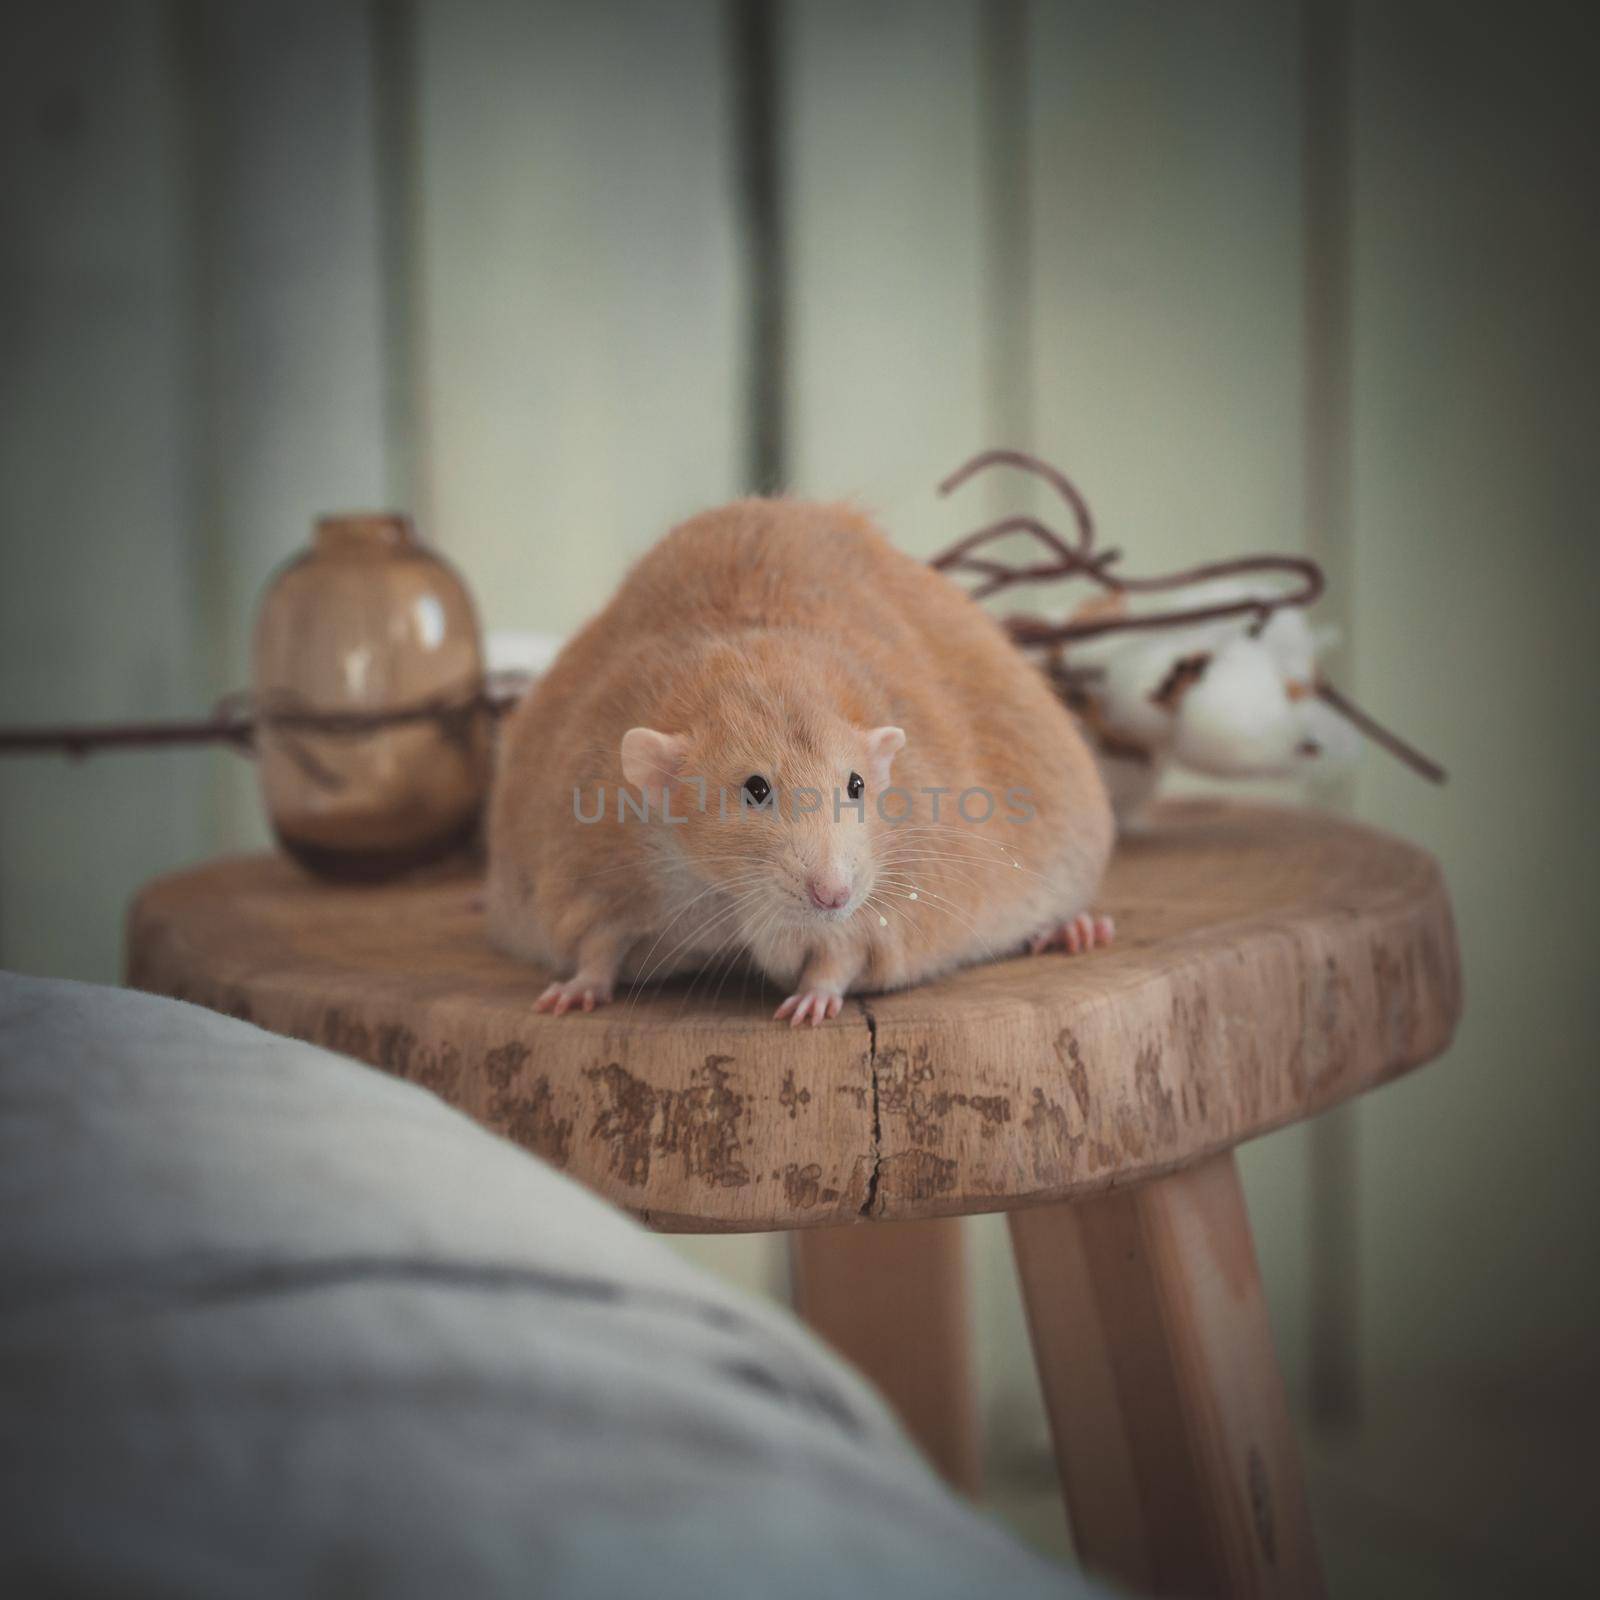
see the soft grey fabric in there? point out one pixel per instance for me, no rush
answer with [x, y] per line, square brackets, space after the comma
[272, 1323]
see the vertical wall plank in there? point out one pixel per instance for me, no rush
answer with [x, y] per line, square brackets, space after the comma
[395, 84]
[294, 322]
[889, 300]
[97, 592]
[1167, 274]
[1168, 294]
[580, 307]
[1477, 249]
[758, 130]
[1006, 190]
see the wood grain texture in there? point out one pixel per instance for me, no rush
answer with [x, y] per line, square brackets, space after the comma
[892, 1300]
[1270, 962]
[1172, 1430]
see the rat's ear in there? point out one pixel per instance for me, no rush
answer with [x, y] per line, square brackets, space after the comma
[651, 760]
[883, 745]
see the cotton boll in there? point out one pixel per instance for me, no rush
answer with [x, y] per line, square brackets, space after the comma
[1229, 698]
[1238, 720]
[1131, 668]
[1292, 644]
[1126, 691]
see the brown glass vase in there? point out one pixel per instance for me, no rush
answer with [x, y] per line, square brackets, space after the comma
[372, 738]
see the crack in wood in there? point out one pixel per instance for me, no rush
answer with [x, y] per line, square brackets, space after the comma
[875, 1171]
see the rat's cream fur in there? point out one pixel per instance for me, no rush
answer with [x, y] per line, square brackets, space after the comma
[789, 640]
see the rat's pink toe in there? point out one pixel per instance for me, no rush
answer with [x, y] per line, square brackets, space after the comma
[576, 994]
[810, 1007]
[1084, 932]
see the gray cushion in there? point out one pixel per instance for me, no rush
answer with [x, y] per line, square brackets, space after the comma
[273, 1323]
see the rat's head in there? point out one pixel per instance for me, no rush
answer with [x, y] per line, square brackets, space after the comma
[775, 766]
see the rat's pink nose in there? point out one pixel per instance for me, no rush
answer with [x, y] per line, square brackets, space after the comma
[828, 894]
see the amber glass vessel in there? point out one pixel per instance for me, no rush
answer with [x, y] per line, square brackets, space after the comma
[369, 625]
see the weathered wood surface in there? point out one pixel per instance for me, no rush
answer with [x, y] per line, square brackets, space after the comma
[1269, 962]
[1178, 1460]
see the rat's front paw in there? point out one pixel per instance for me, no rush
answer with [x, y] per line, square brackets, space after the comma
[1083, 932]
[581, 992]
[813, 1005]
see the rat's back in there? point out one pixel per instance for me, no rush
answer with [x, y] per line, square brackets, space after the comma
[758, 563]
[823, 568]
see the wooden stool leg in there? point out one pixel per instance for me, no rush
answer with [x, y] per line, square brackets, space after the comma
[890, 1297]
[1168, 1410]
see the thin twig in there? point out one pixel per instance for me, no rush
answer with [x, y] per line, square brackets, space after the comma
[86, 738]
[1081, 561]
[1380, 735]
[234, 723]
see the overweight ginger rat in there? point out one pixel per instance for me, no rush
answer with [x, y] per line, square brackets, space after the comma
[785, 739]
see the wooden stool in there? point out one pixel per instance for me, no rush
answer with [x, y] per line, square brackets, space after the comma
[1269, 963]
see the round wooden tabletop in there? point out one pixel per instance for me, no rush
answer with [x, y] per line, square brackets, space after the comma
[1269, 962]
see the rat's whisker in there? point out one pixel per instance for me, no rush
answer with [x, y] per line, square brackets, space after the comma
[740, 947]
[718, 920]
[954, 865]
[973, 861]
[983, 851]
[952, 836]
[728, 913]
[872, 903]
[732, 946]
[750, 949]
[733, 883]
[937, 839]
[633, 866]
[952, 874]
[939, 903]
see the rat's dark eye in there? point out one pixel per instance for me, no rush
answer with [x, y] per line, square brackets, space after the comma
[757, 788]
[855, 788]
